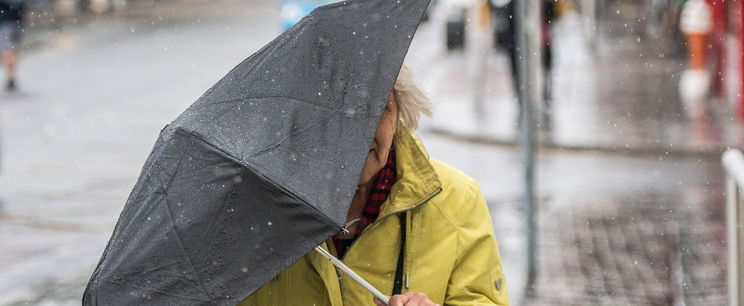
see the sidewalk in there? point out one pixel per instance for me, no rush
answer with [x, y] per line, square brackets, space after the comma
[640, 224]
[623, 100]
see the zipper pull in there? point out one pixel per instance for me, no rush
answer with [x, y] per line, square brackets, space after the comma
[340, 281]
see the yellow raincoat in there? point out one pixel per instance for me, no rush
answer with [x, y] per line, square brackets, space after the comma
[451, 254]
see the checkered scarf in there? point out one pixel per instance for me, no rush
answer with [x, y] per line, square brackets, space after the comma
[379, 193]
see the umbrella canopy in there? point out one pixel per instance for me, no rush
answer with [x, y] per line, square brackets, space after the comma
[261, 168]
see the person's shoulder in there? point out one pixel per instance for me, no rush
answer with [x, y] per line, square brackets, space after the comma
[461, 198]
[454, 180]
[460, 192]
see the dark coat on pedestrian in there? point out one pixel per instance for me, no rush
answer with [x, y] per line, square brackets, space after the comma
[12, 11]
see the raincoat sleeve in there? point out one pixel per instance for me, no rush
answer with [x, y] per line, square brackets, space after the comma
[477, 278]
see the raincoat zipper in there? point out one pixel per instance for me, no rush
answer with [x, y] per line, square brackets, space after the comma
[341, 274]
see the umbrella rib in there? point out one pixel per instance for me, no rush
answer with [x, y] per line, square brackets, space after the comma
[304, 202]
[303, 101]
[214, 220]
[271, 146]
[263, 98]
[158, 291]
[158, 268]
[280, 141]
[224, 198]
[217, 103]
[259, 173]
[180, 244]
[139, 196]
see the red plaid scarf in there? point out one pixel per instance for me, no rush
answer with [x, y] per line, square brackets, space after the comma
[379, 193]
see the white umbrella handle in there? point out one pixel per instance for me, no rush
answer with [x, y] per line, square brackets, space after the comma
[338, 263]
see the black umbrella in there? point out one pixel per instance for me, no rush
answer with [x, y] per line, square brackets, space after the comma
[262, 168]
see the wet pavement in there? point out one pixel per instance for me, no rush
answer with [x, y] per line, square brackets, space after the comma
[630, 188]
[92, 102]
[614, 229]
[621, 97]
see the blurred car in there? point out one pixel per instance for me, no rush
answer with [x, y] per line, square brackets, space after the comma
[292, 11]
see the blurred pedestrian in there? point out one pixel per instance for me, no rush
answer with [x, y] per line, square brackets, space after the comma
[507, 39]
[11, 26]
[696, 22]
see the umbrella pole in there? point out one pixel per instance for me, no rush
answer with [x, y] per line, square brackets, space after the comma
[339, 264]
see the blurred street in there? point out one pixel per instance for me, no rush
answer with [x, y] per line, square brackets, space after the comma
[631, 192]
[75, 137]
[621, 98]
[613, 229]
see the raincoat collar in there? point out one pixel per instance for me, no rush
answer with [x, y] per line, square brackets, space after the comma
[417, 181]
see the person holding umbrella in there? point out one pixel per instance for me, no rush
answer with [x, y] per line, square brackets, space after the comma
[404, 199]
[303, 151]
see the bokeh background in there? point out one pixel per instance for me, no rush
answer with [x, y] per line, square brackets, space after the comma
[630, 191]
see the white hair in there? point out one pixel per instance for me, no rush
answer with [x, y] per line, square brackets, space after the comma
[412, 102]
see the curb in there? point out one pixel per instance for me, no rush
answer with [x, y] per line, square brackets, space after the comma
[553, 147]
[42, 22]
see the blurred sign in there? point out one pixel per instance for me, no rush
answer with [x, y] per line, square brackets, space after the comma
[292, 11]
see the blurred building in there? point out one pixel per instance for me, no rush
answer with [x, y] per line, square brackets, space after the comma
[728, 38]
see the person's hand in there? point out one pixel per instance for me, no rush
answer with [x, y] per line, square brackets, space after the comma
[408, 299]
